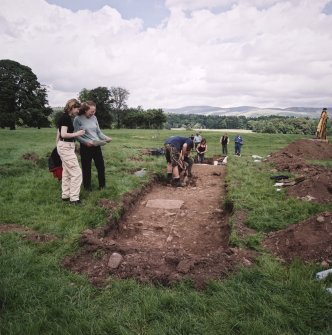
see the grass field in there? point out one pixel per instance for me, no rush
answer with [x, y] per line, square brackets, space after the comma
[38, 296]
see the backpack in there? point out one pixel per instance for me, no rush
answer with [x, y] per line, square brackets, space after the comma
[55, 164]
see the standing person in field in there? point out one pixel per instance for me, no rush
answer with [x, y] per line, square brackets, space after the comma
[197, 139]
[192, 136]
[224, 141]
[71, 174]
[238, 145]
[177, 149]
[90, 144]
[201, 150]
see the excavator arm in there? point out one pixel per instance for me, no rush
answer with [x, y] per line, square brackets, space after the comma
[321, 127]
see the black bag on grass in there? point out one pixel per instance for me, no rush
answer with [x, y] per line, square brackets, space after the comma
[55, 164]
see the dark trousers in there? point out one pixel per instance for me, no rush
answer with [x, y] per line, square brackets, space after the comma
[87, 155]
[237, 148]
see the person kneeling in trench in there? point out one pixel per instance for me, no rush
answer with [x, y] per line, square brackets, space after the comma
[177, 150]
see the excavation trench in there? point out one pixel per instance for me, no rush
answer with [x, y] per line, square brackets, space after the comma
[166, 234]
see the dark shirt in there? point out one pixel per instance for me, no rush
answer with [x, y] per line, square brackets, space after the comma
[179, 141]
[224, 140]
[201, 148]
[66, 121]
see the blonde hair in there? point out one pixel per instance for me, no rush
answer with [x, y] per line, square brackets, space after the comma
[71, 104]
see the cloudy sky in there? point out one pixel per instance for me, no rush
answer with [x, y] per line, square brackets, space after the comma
[175, 53]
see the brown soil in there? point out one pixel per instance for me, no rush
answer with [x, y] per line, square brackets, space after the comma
[30, 156]
[167, 245]
[310, 241]
[317, 183]
[164, 245]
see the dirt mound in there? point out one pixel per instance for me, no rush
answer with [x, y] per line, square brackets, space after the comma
[167, 234]
[30, 156]
[309, 240]
[309, 149]
[317, 183]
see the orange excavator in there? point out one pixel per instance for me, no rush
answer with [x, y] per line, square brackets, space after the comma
[321, 127]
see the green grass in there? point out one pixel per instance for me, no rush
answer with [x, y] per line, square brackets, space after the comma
[252, 189]
[325, 163]
[38, 296]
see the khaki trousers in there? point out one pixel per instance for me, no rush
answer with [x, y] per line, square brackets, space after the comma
[72, 173]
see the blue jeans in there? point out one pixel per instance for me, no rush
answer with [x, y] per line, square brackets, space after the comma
[237, 148]
[200, 158]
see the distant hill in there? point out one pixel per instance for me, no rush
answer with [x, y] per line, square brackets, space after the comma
[249, 111]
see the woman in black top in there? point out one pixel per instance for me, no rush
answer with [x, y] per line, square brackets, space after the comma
[71, 174]
[201, 150]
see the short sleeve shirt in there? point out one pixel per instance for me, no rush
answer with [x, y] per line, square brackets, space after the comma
[179, 141]
[66, 121]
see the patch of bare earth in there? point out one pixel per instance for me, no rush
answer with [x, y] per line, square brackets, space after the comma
[310, 240]
[154, 242]
[28, 234]
[241, 229]
[317, 183]
[167, 234]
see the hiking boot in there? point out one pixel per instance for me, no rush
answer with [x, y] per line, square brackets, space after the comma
[65, 199]
[178, 183]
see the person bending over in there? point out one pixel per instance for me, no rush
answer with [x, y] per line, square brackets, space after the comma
[177, 149]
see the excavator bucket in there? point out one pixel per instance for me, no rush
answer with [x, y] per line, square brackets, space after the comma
[321, 127]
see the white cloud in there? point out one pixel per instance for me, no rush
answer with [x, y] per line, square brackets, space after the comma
[267, 53]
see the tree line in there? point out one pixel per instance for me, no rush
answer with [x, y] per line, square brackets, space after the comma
[112, 109]
[264, 124]
[23, 102]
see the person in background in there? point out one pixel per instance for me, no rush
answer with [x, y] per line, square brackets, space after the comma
[192, 136]
[197, 139]
[238, 145]
[201, 150]
[90, 144]
[224, 141]
[65, 140]
[177, 149]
